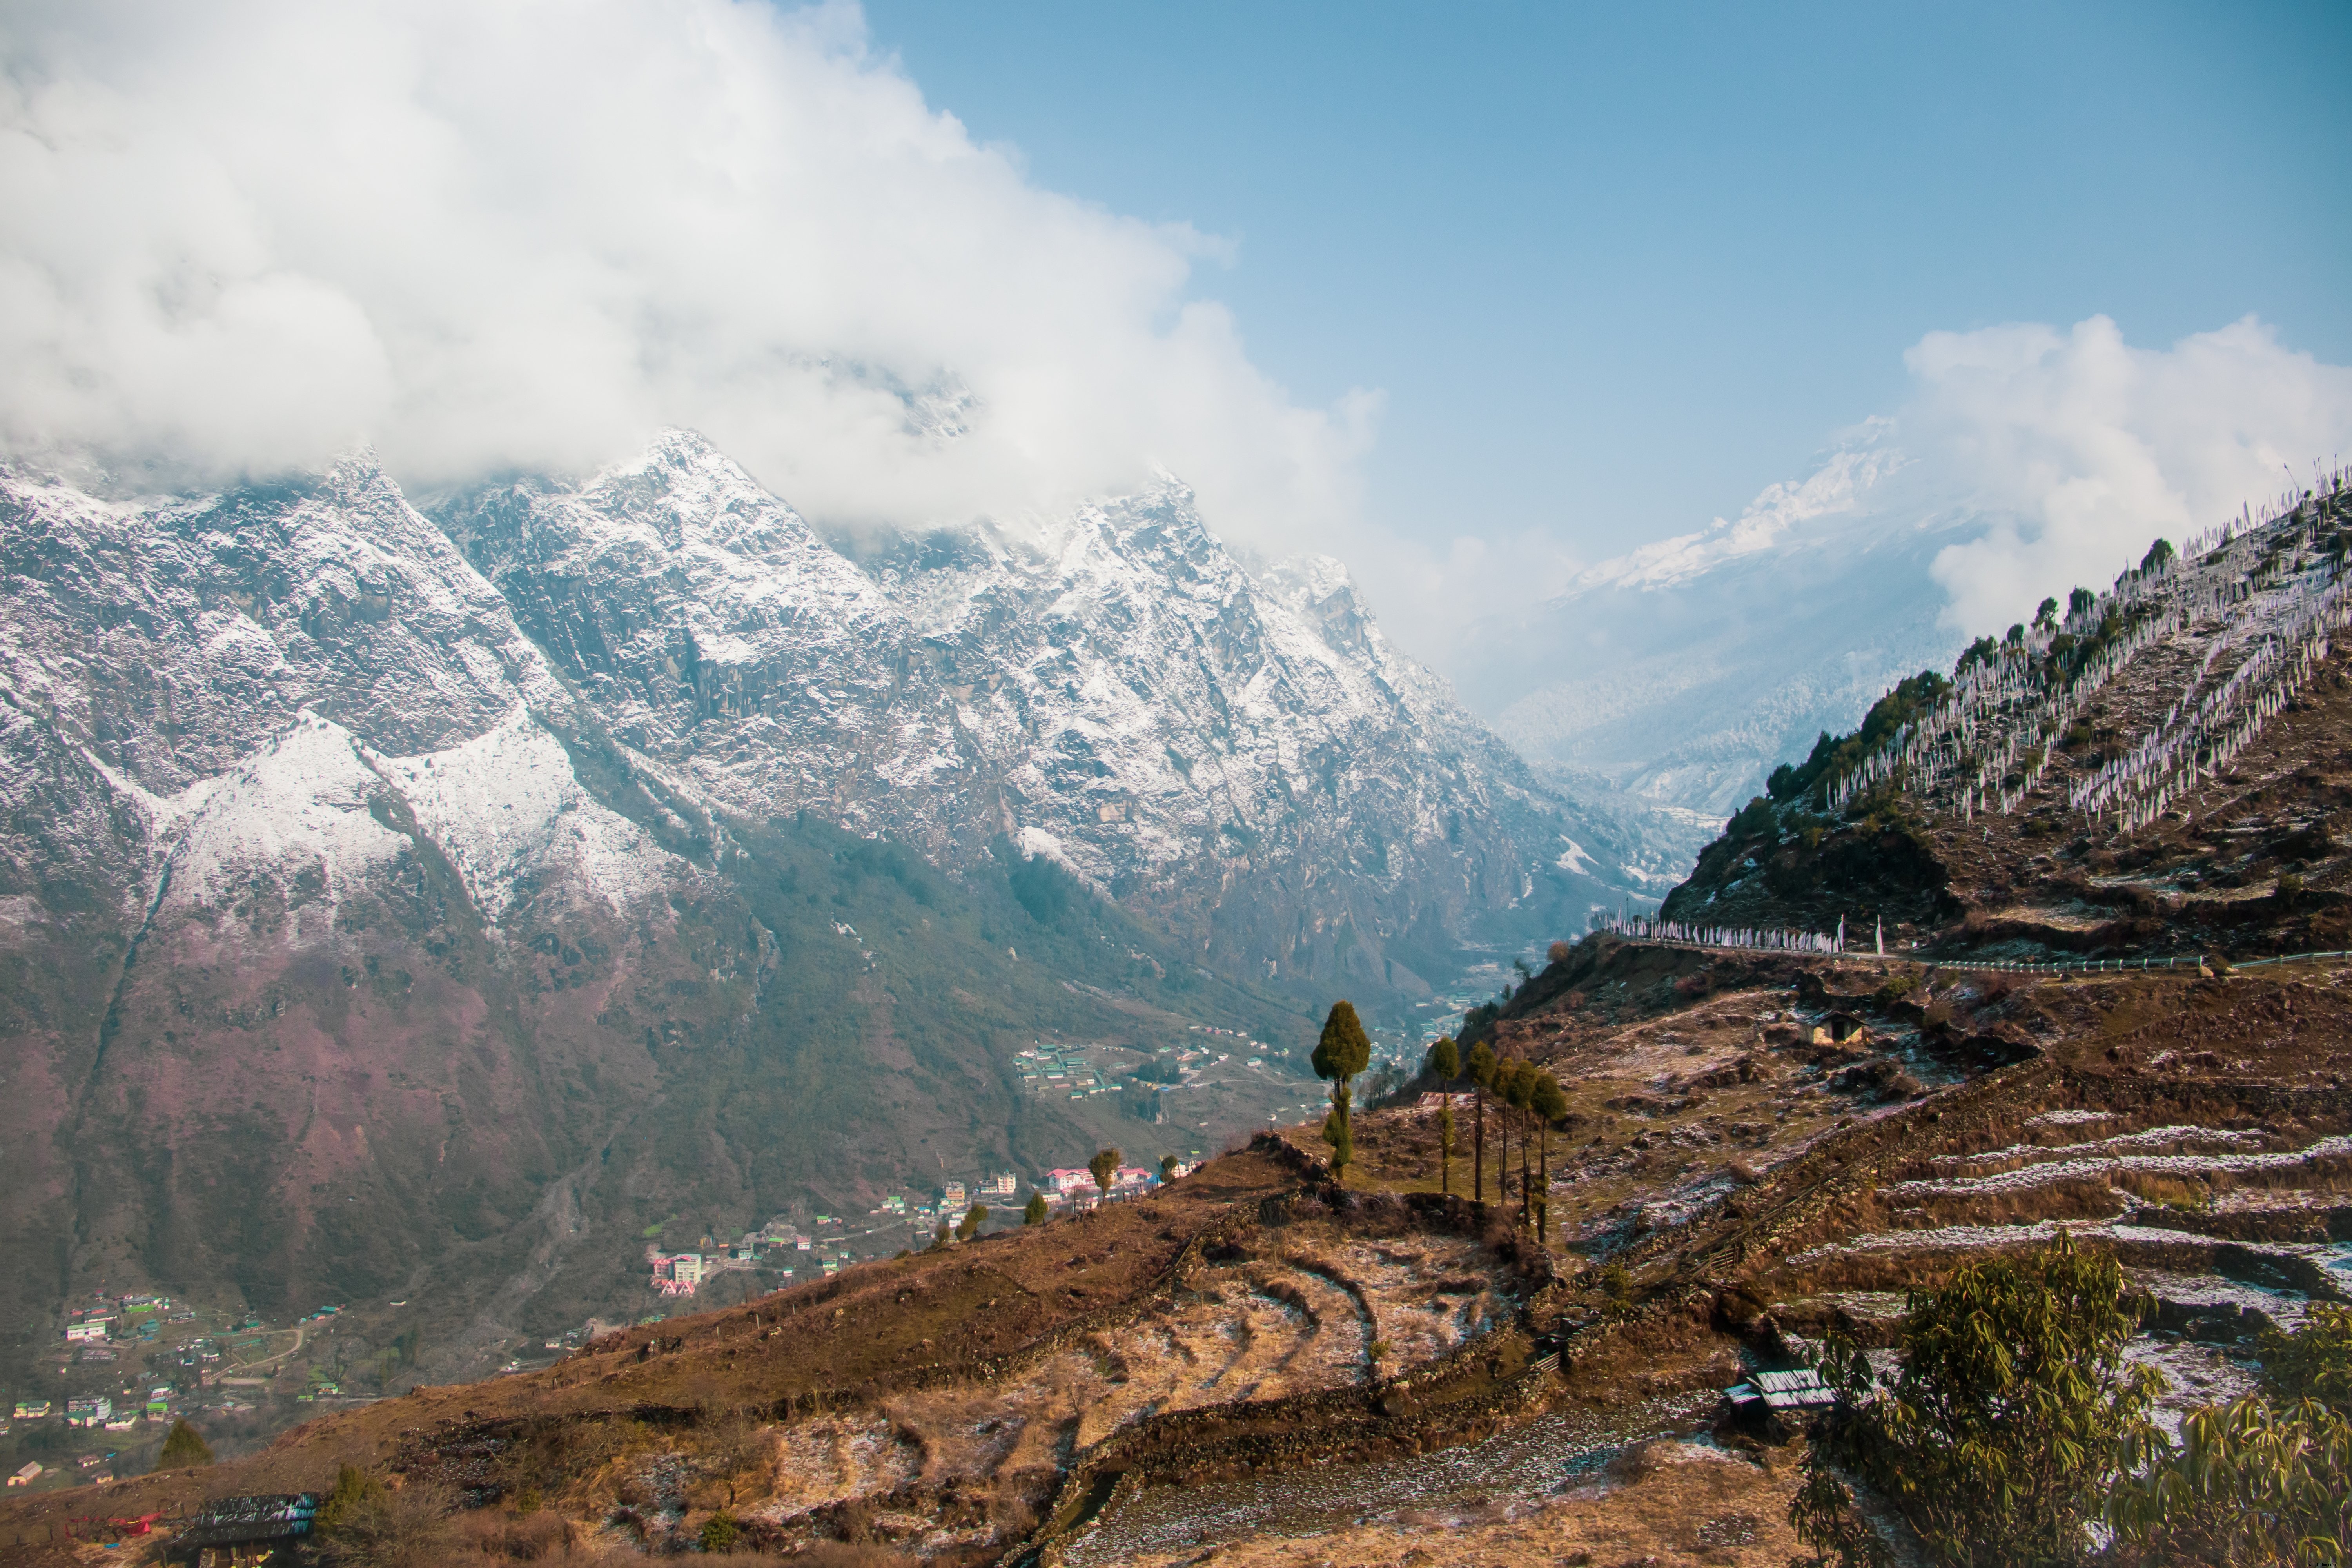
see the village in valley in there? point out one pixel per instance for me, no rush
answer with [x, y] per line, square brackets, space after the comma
[128, 1366]
[791, 1248]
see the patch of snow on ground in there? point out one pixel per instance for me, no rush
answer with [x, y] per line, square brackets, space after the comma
[1976, 1238]
[2050, 1172]
[2195, 1376]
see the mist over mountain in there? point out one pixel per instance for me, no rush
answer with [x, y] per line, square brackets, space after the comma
[2025, 459]
[1689, 672]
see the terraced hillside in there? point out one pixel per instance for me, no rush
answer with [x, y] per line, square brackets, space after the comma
[954, 1403]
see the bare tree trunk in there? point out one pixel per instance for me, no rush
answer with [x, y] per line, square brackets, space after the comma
[1543, 1204]
[1503, 1162]
[1478, 1146]
[1445, 1146]
[1528, 1191]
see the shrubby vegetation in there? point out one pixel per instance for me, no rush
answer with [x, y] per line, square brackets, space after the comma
[1834, 756]
[2251, 1485]
[2016, 1434]
[184, 1447]
[2001, 1437]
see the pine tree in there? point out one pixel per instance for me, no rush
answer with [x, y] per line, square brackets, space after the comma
[183, 1447]
[1482, 1076]
[1342, 1141]
[1034, 1213]
[1523, 1084]
[1445, 1061]
[1550, 1104]
[1343, 1051]
[974, 1218]
[1105, 1165]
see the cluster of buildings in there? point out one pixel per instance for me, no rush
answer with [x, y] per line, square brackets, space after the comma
[92, 1333]
[1067, 1071]
[676, 1273]
[1073, 1070]
[828, 1244]
[96, 1410]
[1079, 1189]
[122, 1317]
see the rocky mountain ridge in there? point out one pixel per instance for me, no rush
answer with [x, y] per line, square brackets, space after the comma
[418, 906]
[1116, 692]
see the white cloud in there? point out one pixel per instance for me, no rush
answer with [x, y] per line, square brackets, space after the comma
[2052, 458]
[241, 236]
[2077, 449]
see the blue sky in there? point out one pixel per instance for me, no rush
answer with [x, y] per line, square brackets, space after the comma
[1615, 270]
[1603, 276]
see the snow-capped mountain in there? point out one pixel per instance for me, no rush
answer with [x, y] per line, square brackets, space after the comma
[1681, 673]
[395, 901]
[1245, 761]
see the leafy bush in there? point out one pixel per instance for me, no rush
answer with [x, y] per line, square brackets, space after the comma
[2250, 1486]
[2012, 1416]
[2315, 1361]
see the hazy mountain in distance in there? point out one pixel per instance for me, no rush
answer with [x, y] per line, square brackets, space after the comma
[1680, 674]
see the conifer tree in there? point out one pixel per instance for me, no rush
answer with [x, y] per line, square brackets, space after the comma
[1550, 1104]
[1105, 1165]
[1035, 1211]
[1445, 1061]
[1481, 1078]
[1516, 1083]
[1343, 1051]
[1336, 1133]
[183, 1447]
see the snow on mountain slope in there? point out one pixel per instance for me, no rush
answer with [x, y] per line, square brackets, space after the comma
[367, 878]
[1117, 686]
[297, 811]
[218, 668]
[1681, 673]
[510, 814]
